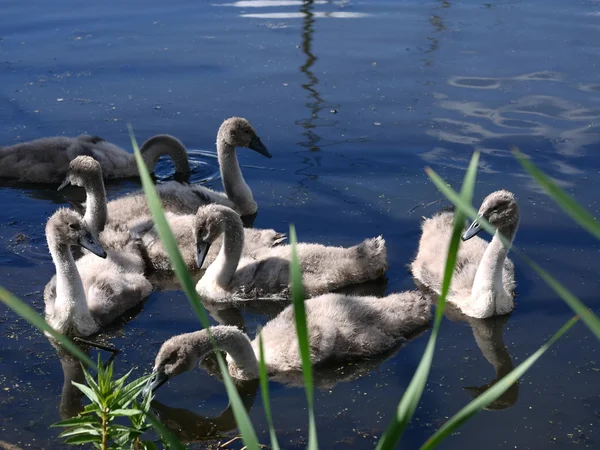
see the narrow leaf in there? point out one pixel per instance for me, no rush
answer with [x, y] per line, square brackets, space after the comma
[31, 316]
[494, 392]
[412, 396]
[303, 340]
[264, 387]
[80, 420]
[76, 431]
[91, 382]
[87, 391]
[165, 434]
[83, 439]
[125, 412]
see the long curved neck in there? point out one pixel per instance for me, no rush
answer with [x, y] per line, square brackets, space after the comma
[160, 145]
[225, 264]
[70, 299]
[487, 285]
[241, 357]
[96, 212]
[235, 186]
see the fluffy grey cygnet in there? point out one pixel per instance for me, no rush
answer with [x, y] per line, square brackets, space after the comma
[232, 276]
[340, 328]
[93, 292]
[47, 160]
[483, 284]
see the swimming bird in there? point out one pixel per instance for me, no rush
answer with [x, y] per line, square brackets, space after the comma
[232, 276]
[46, 160]
[93, 292]
[340, 328]
[483, 284]
[184, 198]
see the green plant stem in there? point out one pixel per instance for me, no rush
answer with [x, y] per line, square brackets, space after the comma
[104, 429]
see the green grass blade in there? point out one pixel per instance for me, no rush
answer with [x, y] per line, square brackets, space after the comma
[170, 245]
[494, 392]
[164, 433]
[588, 317]
[302, 332]
[31, 316]
[264, 388]
[410, 400]
[564, 200]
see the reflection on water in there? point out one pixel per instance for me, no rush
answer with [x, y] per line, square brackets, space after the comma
[538, 120]
[323, 15]
[315, 103]
[191, 427]
[489, 336]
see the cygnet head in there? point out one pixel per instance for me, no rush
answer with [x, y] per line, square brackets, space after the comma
[67, 227]
[209, 223]
[501, 210]
[81, 171]
[176, 356]
[237, 132]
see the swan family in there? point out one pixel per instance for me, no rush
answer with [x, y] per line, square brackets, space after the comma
[105, 252]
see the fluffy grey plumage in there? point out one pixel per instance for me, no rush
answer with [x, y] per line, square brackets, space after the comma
[232, 276]
[93, 292]
[182, 226]
[484, 281]
[47, 160]
[339, 328]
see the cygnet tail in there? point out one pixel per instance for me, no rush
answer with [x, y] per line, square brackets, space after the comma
[371, 258]
[412, 310]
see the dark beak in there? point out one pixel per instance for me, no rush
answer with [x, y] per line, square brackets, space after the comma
[257, 145]
[472, 230]
[202, 250]
[64, 184]
[156, 381]
[91, 243]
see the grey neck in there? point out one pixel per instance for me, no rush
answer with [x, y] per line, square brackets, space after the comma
[96, 212]
[242, 360]
[235, 186]
[487, 285]
[164, 144]
[224, 266]
[70, 296]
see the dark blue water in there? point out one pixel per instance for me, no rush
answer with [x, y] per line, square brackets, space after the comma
[354, 99]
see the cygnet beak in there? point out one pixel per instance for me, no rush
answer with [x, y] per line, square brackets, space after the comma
[472, 230]
[202, 252]
[156, 380]
[257, 145]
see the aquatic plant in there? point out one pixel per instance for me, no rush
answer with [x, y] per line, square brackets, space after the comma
[110, 399]
[412, 395]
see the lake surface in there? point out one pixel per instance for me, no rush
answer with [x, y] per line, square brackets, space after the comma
[354, 99]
